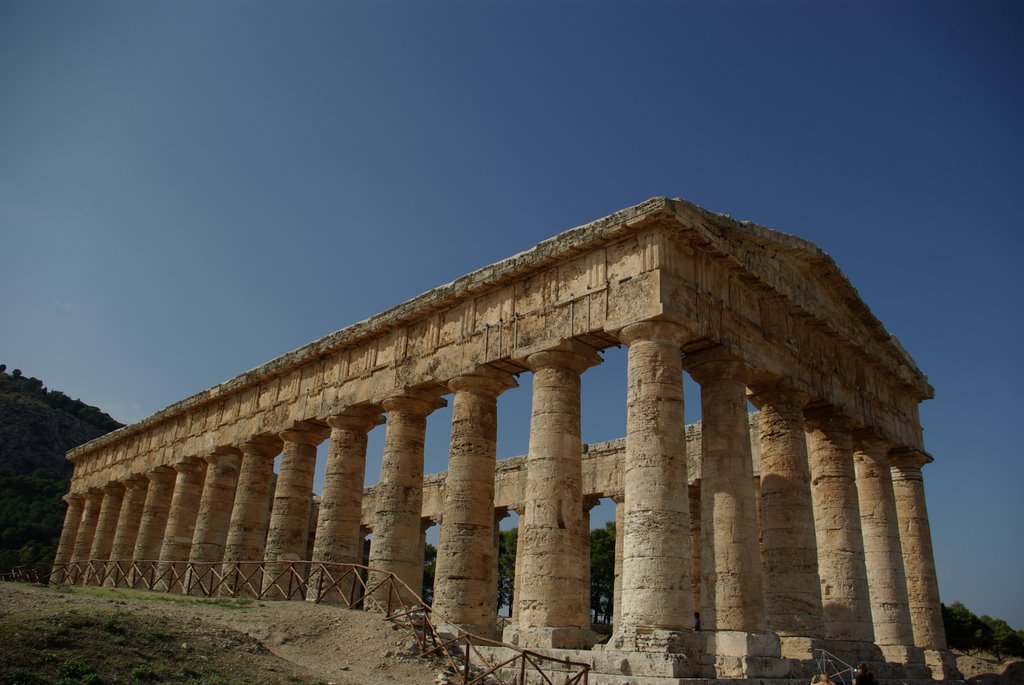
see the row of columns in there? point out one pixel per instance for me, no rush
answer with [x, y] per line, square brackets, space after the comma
[832, 561]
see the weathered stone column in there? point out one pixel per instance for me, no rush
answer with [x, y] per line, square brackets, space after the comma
[289, 520]
[550, 611]
[791, 585]
[68, 534]
[463, 592]
[620, 536]
[337, 534]
[181, 523]
[731, 596]
[887, 582]
[212, 521]
[396, 519]
[106, 527]
[152, 525]
[499, 515]
[657, 596]
[844, 585]
[918, 560]
[86, 533]
[250, 511]
[128, 522]
[588, 504]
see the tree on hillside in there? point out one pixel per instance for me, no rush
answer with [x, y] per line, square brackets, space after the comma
[507, 540]
[602, 573]
[968, 633]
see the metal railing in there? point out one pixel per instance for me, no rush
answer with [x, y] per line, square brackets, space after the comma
[350, 585]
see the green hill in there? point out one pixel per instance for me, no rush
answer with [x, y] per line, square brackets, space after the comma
[37, 428]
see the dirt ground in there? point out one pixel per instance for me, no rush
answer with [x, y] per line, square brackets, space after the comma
[980, 670]
[59, 635]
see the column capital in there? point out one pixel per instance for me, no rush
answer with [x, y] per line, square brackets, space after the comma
[483, 379]
[829, 418]
[716, 363]
[869, 443]
[568, 354]
[94, 494]
[262, 446]
[224, 457]
[361, 417]
[114, 489]
[190, 465]
[305, 432]
[164, 474]
[135, 482]
[654, 331]
[74, 499]
[414, 401]
[904, 457]
[780, 393]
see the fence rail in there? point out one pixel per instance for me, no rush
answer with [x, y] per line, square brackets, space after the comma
[349, 585]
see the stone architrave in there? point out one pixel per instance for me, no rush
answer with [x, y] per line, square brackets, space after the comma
[68, 533]
[337, 538]
[128, 522]
[791, 585]
[397, 512]
[887, 581]
[212, 520]
[846, 604]
[657, 596]
[287, 536]
[551, 530]
[466, 561]
[731, 596]
[250, 511]
[152, 525]
[181, 523]
[919, 561]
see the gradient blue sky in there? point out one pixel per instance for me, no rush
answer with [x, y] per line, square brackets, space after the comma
[189, 189]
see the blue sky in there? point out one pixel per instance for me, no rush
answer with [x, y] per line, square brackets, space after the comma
[189, 189]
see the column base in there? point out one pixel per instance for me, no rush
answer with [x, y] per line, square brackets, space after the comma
[737, 654]
[641, 664]
[903, 654]
[542, 637]
[942, 664]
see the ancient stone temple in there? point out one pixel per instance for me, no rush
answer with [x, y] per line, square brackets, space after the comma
[798, 528]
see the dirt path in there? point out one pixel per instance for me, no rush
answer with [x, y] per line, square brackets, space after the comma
[305, 642]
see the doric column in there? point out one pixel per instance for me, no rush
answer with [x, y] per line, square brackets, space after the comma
[68, 534]
[844, 585]
[731, 595]
[86, 533]
[550, 611]
[620, 536]
[466, 561]
[337, 534]
[247, 528]
[588, 504]
[289, 519]
[181, 522]
[918, 560]
[887, 582]
[791, 585]
[657, 597]
[216, 504]
[128, 522]
[106, 524]
[152, 525]
[399, 500]
[499, 515]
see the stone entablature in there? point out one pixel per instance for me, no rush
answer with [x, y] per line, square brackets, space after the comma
[731, 283]
[782, 538]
